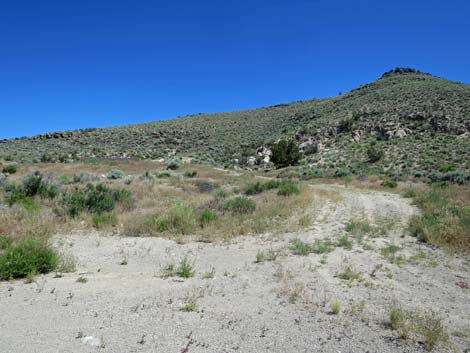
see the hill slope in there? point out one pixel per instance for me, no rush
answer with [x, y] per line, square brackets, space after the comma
[420, 122]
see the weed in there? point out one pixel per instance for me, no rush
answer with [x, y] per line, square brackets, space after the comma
[240, 205]
[305, 221]
[288, 188]
[348, 274]
[189, 307]
[398, 321]
[207, 216]
[185, 269]
[322, 247]
[345, 243]
[67, 264]
[263, 256]
[409, 193]
[180, 219]
[429, 326]
[426, 327]
[82, 279]
[390, 253]
[104, 219]
[114, 174]
[298, 247]
[209, 274]
[335, 306]
[5, 242]
[167, 271]
[358, 227]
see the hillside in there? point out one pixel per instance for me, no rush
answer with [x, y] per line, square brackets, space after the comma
[419, 121]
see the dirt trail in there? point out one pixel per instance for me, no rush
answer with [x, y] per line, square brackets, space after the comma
[235, 304]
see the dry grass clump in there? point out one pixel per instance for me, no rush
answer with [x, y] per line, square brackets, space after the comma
[426, 327]
[445, 218]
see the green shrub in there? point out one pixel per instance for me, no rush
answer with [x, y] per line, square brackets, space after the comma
[389, 184]
[104, 219]
[32, 184]
[288, 188]
[285, 153]
[180, 219]
[191, 174]
[259, 187]
[95, 199]
[252, 189]
[173, 164]
[456, 177]
[29, 256]
[207, 216]
[9, 169]
[205, 186]
[240, 205]
[115, 174]
[374, 154]
[163, 174]
[342, 172]
[84, 177]
[409, 193]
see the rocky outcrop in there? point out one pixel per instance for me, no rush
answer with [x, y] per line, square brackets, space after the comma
[265, 153]
[403, 71]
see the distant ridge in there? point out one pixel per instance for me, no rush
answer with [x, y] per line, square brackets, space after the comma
[421, 123]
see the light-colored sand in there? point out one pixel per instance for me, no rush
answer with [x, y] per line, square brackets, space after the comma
[278, 306]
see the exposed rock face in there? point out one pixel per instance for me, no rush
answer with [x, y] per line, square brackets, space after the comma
[265, 153]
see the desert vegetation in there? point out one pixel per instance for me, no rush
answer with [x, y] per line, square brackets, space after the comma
[406, 124]
[330, 220]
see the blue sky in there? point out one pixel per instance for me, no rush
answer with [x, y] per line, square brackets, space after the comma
[75, 64]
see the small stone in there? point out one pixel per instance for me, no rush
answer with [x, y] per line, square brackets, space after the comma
[93, 341]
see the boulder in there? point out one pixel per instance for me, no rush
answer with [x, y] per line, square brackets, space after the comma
[251, 160]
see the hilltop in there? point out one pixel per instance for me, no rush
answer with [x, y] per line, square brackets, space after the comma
[418, 122]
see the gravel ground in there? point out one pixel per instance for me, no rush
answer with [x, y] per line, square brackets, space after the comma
[234, 304]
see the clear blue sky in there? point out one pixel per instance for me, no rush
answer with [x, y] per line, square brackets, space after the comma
[74, 64]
